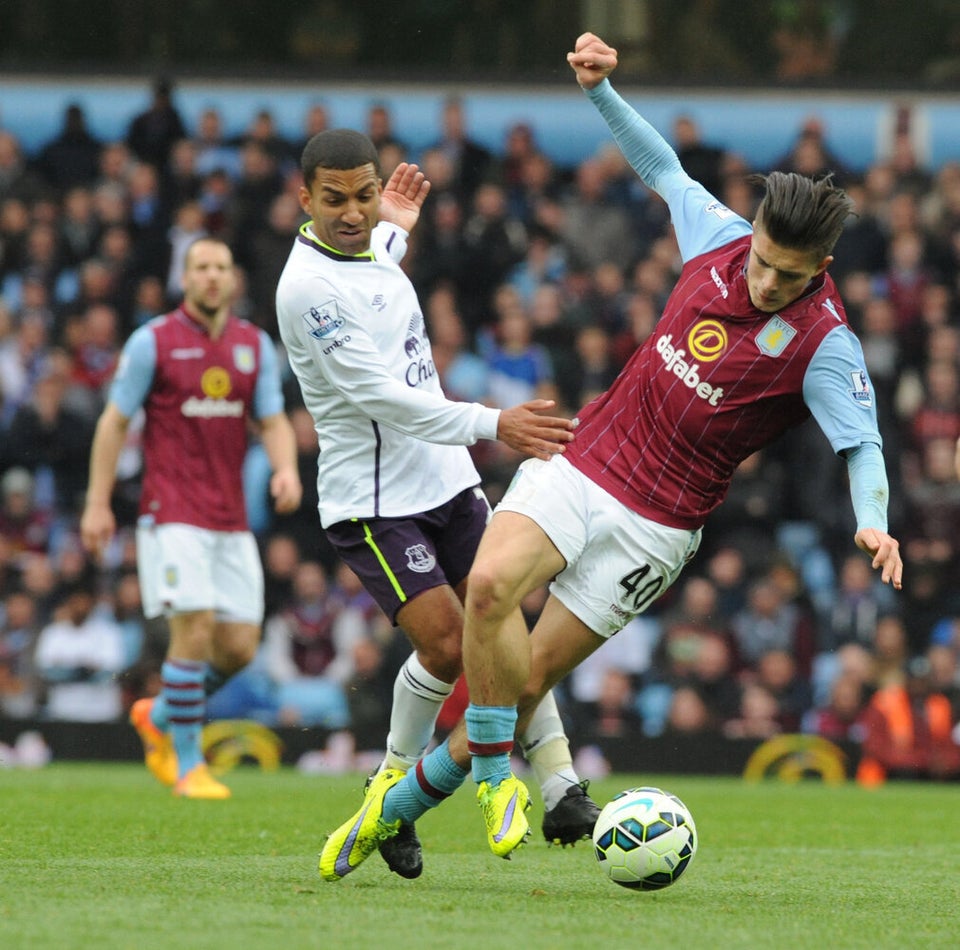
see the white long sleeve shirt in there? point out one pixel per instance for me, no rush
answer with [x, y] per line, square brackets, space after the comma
[391, 444]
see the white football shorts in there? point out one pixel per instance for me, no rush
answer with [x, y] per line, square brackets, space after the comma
[184, 568]
[618, 562]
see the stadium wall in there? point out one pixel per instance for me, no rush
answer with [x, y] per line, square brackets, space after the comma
[759, 126]
[694, 754]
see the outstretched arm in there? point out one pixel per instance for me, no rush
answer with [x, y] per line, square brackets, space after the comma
[868, 492]
[403, 196]
[525, 430]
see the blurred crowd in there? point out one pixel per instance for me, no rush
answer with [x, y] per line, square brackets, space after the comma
[536, 280]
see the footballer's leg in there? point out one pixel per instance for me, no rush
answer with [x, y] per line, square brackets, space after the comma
[183, 694]
[569, 811]
[559, 643]
[147, 716]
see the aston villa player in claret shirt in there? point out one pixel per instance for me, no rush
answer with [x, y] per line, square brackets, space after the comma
[752, 341]
[200, 375]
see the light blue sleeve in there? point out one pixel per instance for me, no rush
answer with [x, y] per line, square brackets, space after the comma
[700, 221]
[839, 394]
[869, 488]
[268, 394]
[134, 375]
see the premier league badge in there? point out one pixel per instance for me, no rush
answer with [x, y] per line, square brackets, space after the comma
[324, 321]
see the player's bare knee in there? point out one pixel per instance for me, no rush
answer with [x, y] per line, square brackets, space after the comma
[443, 658]
[487, 596]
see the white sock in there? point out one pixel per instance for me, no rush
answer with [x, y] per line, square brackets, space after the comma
[546, 748]
[417, 698]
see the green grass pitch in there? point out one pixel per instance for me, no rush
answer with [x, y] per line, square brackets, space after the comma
[98, 855]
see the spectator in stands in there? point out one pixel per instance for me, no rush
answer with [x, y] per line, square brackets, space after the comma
[908, 730]
[183, 178]
[594, 229]
[470, 161]
[701, 160]
[151, 133]
[757, 715]
[98, 348]
[518, 369]
[214, 152]
[519, 145]
[263, 131]
[840, 717]
[18, 634]
[309, 651]
[810, 155]
[493, 244]
[770, 622]
[944, 663]
[17, 180]
[613, 715]
[440, 248]
[188, 226]
[932, 532]
[369, 693]
[748, 516]
[71, 158]
[380, 128]
[777, 671]
[315, 120]
[280, 559]
[149, 217]
[25, 527]
[78, 657]
[891, 650]
[464, 375]
[46, 435]
[688, 712]
[269, 248]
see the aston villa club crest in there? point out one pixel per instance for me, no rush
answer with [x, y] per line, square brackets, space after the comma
[243, 358]
[775, 336]
[419, 559]
[324, 321]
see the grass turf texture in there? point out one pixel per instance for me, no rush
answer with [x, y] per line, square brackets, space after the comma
[102, 856]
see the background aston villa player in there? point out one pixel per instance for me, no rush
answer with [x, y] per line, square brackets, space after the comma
[200, 374]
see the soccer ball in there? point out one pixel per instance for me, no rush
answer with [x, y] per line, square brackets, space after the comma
[645, 838]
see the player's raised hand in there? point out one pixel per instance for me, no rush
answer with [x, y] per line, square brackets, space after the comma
[403, 196]
[526, 431]
[885, 552]
[592, 60]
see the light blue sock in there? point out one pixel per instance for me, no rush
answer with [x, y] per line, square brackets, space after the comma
[490, 739]
[213, 679]
[185, 704]
[435, 777]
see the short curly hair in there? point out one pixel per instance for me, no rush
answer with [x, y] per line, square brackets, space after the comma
[337, 148]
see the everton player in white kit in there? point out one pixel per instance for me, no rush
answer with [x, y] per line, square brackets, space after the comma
[201, 375]
[753, 340]
[400, 498]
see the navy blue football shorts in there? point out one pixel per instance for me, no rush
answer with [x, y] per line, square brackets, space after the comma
[399, 558]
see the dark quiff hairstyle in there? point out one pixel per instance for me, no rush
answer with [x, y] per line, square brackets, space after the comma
[801, 213]
[342, 149]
